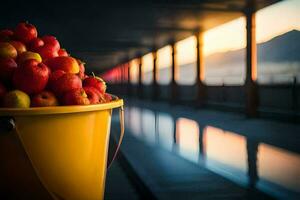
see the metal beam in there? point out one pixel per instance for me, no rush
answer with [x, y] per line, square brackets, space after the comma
[199, 7]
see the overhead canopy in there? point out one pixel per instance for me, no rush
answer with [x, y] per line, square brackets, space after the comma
[107, 34]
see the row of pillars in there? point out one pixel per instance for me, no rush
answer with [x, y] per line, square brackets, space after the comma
[250, 86]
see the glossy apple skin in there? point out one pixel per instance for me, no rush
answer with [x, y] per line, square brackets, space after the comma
[65, 63]
[81, 73]
[54, 76]
[47, 53]
[28, 55]
[3, 91]
[7, 68]
[6, 35]
[44, 99]
[75, 97]
[95, 82]
[16, 99]
[7, 50]
[31, 77]
[35, 44]
[107, 97]
[47, 46]
[92, 94]
[62, 52]
[65, 83]
[19, 46]
[25, 32]
[51, 41]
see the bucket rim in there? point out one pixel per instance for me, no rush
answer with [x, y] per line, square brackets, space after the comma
[61, 109]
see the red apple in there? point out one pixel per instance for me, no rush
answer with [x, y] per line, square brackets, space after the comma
[31, 77]
[107, 97]
[65, 63]
[25, 32]
[35, 44]
[19, 46]
[7, 50]
[62, 52]
[95, 82]
[7, 68]
[6, 35]
[92, 94]
[54, 76]
[65, 83]
[47, 53]
[46, 46]
[28, 55]
[81, 69]
[51, 41]
[75, 97]
[2, 92]
[43, 99]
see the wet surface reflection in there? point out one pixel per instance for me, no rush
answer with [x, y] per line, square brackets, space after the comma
[278, 169]
[187, 138]
[165, 131]
[247, 161]
[226, 153]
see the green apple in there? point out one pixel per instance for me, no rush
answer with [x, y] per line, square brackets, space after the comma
[7, 50]
[16, 99]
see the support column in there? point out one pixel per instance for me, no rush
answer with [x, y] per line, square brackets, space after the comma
[201, 90]
[120, 81]
[123, 74]
[251, 65]
[124, 82]
[174, 76]
[129, 85]
[295, 105]
[155, 91]
[140, 84]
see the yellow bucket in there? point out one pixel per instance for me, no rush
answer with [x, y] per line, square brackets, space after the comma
[68, 146]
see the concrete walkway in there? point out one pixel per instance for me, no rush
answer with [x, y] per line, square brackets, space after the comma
[168, 176]
[118, 186]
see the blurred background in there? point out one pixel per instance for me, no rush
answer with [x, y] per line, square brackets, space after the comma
[211, 90]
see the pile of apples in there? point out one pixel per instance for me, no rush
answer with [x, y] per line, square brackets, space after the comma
[37, 72]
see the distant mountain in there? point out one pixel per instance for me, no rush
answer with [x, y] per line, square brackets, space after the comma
[282, 48]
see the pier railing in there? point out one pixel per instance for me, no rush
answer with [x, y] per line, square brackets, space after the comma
[279, 100]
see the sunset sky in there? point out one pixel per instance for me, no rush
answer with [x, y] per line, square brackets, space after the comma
[270, 22]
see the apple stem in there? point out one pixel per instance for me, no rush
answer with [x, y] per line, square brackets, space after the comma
[93, 75]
